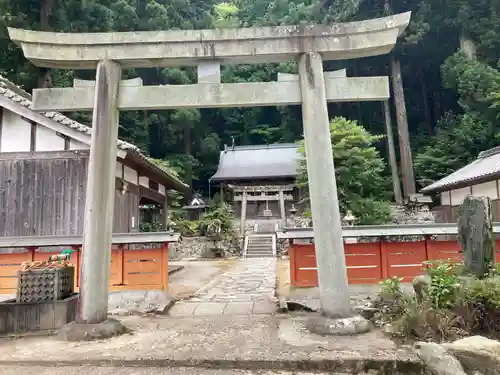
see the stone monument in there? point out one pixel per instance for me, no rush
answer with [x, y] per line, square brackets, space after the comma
[475, 232]
[309, 45]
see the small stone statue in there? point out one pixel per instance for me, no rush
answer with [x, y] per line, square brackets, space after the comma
[475, 233]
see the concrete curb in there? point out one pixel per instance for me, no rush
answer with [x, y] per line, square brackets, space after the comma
[346, 365]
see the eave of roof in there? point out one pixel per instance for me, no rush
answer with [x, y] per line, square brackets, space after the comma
[260, 162]
[16, 94]
[485, 168]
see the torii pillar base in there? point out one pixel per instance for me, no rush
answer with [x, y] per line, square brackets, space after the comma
[89, 332]
[326, 326]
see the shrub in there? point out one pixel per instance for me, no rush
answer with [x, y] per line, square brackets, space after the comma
[444, 283]
[451, 310]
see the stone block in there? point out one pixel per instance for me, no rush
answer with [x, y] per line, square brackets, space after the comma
[30, 317]
[239, 308]
[210, 309]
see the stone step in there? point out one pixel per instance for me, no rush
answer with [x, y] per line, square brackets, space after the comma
[260, 252]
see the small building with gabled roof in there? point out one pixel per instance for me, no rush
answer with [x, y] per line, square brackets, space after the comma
[478, 178]
[43, 172]
[260, 180]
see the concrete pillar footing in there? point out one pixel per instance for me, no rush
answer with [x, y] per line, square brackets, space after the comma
[89, 332]
[323, 325]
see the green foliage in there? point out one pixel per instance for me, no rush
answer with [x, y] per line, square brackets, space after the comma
[459, 117]
[360, 172]
[444, 284]
[453, 307]
[391, 287]
[217, 223]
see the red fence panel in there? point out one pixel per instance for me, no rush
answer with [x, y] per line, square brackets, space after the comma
[364, 263]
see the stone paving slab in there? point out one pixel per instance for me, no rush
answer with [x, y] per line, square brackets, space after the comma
[247, 288]
[249, 342]
[190, 308]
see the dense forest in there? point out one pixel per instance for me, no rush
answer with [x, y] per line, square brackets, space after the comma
[451, 93]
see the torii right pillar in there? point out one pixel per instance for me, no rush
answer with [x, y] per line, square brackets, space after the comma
[330, 258]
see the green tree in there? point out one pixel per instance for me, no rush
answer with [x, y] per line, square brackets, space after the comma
[360, 171]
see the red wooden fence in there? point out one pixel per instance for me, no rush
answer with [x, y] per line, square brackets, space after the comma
[130, 269]
[369, 263]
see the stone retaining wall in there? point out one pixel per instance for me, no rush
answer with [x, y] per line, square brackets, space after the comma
[202, 248]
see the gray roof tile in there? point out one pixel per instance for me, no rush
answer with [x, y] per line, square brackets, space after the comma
[253, 162]
[487, 165]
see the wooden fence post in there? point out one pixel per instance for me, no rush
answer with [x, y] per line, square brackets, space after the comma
[384, 259]
[164, 267]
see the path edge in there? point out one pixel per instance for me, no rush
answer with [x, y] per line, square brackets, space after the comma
[341, 365]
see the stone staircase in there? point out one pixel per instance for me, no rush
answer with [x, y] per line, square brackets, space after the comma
[260, 246]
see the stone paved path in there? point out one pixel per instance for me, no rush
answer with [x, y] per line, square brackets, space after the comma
[247, 288]
[92, 370]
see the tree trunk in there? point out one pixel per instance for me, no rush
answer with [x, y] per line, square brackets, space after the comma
[188, 168]
[468, 46]
[396, 184]
[425, 101]
[403, 133]
[44, 77]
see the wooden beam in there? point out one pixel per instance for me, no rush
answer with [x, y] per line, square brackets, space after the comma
[151, 194]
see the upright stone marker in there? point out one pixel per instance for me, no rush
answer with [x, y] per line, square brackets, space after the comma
[475, 232]
[309, 44]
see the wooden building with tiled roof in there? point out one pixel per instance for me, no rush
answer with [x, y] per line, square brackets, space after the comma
[261, 181]
[479, 178]
[43, 172]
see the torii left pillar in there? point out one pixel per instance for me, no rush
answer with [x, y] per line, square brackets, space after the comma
[92, 314]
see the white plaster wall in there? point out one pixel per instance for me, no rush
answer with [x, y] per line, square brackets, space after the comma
[119, 170]
[16, 133]
[130, 175]
[76, 145]
[488, 189]
[445, 198]
[458, 195]
[161, 189]
[48, 140]
[144, 181]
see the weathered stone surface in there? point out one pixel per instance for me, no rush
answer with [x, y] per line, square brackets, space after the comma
[475, 233]
[139, 302]
[477, 353]
[177, 48]
[89, 332]
[421, 285]
[200, 248]
[338, 327]
[437, 360]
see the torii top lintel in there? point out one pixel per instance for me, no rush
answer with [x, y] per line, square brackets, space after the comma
[187, 48]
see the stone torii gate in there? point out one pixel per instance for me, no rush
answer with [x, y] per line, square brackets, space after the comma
[208, 49]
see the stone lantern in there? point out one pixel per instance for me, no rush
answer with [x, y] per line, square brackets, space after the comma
[293, 214]
[348, 221]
